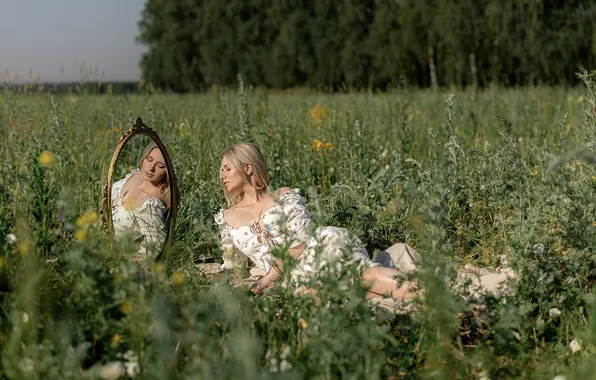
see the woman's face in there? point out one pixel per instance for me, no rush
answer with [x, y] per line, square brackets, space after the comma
[231, 179]
[153, 166]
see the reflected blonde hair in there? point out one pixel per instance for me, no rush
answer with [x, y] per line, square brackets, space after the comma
[164, 185]
[245, 153]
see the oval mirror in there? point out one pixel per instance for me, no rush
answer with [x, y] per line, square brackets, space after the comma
[140, 195]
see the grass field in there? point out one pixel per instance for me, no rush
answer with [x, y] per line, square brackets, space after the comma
[504, 174]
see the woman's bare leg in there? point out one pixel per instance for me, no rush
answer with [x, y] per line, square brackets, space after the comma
[382, 282]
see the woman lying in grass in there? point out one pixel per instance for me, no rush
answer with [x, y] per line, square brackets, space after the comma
[256, 222]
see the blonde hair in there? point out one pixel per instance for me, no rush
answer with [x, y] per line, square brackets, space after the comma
[164, 185]
[245, 153]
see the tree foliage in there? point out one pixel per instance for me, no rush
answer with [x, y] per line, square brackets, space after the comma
[353, 44]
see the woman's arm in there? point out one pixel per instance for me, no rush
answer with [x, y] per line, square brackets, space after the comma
[297, 221]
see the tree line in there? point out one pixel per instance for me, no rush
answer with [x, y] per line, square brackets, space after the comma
[354, 44]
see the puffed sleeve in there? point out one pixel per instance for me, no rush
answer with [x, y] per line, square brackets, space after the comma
[232, 257]
[150, 221]
[297, 219]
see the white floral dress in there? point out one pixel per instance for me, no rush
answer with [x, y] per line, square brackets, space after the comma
[287, 225]
[145, 224]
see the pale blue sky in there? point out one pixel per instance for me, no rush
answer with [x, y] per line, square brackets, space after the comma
[47, 35]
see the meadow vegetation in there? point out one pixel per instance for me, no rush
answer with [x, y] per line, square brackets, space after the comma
[494, 177]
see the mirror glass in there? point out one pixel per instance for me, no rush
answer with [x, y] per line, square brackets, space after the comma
[142, 196]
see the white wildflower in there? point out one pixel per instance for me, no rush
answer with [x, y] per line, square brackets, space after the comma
[559, 377]
[285, 352]
[575, 345]
[112, 370]
[11, 239]
[516, 335]
[285, 366]
[483, 375]
[130, 356]
[25, 317]
[26, 365]
[538, 249]
[132, 369]
[554, 313]
[273, 365]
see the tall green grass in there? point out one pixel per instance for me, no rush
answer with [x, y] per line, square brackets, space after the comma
[501, 175]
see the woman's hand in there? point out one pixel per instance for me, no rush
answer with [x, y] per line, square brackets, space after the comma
[265, 282]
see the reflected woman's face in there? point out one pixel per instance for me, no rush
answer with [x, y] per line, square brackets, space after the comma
[153, 166]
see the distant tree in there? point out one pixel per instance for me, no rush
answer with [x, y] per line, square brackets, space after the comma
[351, 44]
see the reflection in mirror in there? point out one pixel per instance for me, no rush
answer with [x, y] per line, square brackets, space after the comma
[141, 197]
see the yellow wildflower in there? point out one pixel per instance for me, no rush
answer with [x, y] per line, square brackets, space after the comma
[2, 262]
[159, 267]
[534, 173]
[177, 278]
[328, 146]
[317, 145]
[302, 323]
[318, 114]
[129, 204]
[116, 130]
[593, 224]
[80, 234]
[418, 112]
[116, 340]
[24, 247]
[87, 218]
[126, 307]
[579, 100]
[47, 158]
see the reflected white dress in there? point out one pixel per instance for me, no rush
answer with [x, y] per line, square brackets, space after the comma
[287, 224]
[144, 225]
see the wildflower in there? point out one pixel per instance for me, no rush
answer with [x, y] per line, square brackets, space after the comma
[559, 377]
[177, 278]
[579, 100]
[26, 365]
[24, 247]
[126, 307]
[534, 173]
[418, 112]
[318, 114]
[132, 369]
[116, 340]
[87, 218]
[11, 239]
[47, 158]
[318, 145]
[159, 267]
[593, 224]
[575, 346]
[538, 249]
[112, 370]
[80, 234]
[116, 130]
[302, 323]
[285, 365]
[554, 313]
[483, 375]
[2, 262]
[130, 356]
[130, 204]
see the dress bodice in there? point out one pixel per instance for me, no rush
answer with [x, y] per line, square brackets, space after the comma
[144, 223]
[285, 224]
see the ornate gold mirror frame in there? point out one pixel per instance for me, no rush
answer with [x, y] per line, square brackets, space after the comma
[140, 128]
